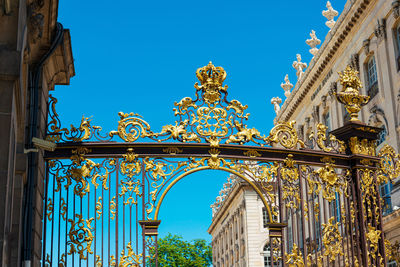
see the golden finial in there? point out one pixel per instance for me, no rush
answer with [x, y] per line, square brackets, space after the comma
[350, 95]
[349, 78]
[211, 79]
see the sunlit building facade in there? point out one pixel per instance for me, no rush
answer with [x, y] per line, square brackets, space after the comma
[366, 36]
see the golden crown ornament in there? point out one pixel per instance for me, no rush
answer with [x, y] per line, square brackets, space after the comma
[211, 79]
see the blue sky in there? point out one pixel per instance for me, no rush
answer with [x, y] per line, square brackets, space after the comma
[141, 56]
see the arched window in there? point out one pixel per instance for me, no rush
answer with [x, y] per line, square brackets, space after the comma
[267, 255]
[372, 77]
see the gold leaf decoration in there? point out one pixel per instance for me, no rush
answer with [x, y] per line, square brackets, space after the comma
[285, 134]
[295, 259]
[350, 95]
[332, 239]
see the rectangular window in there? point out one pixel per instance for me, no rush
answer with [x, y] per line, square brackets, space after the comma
[265, 217]
[327, 121]
[372, 77]
[385, 191]
[397, 33]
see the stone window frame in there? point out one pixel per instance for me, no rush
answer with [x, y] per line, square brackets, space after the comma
[396, 42]
[371, 71]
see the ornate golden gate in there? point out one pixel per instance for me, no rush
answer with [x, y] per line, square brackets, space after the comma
[104, 190]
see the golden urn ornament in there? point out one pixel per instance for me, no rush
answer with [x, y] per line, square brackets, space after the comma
[350, 95]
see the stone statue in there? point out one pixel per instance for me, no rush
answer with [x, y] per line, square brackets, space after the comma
[287, 86]
[299, 66]
[276, 101]
[214, 208]
[330, 14]
[313, 42]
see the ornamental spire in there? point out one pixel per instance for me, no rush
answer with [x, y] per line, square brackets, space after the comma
[287, 86]
[313, 42]
[330, 14]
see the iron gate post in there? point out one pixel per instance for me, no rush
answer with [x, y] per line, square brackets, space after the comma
[361, 146]
[150, 229]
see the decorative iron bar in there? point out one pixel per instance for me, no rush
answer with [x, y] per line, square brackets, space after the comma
[102, 197]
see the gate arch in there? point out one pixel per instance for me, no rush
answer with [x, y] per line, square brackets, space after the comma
[323, 205]
[253, 186]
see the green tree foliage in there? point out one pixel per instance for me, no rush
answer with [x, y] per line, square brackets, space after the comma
[175, 252]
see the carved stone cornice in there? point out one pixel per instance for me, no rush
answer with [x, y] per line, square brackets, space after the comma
[324, 101]
[380, 30]
[333, 89]
[396, 8]
[353, 15]
[355, 62]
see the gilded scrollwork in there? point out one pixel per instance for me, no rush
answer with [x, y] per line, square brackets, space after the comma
[128, 257]
[158, 172]
[80, 171]
[285, 134]
[98, 262]
[290, 183]
[75, 134]
[210, 118]
[113, 208]
[373, 235]
[61, 262]
[50, 208]
[332, 239]
[392, 251]
[295, 259]
[389, 167]
[63, 208]
[330, 181]
[333, 145]
[131, 127]
[48, 261]
[80, 236]
[99, 208]
[276, 249]
[130, 165]
[363, 146]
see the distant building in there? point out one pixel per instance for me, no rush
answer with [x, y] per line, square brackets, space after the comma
[238, 228]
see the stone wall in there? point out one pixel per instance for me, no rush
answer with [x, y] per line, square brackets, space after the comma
[27, 30]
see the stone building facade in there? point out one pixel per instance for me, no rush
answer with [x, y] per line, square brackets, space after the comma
[35, 55]
[238, 228]
[365, 36]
